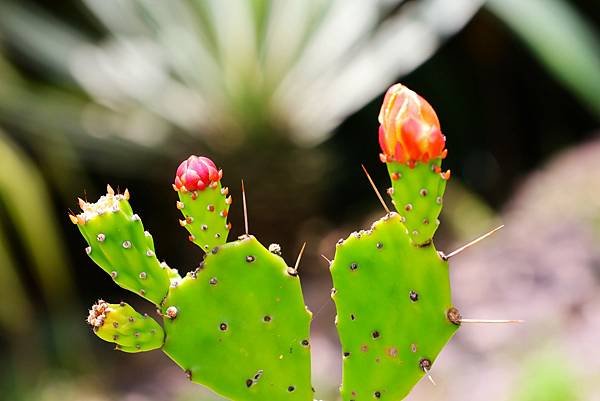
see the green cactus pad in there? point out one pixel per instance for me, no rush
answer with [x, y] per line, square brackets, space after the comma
[205, 212]
[392, 300]
[122, 325]
[417, 193]
[118, 243]
[239, 326]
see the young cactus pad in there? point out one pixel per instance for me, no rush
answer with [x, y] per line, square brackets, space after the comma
[128, 329]
[237, 324]
[118, 244]
[391, 287]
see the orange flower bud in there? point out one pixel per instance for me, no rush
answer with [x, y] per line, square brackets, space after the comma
[410, 130]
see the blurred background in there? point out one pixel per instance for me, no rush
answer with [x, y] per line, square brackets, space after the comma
[285, 94]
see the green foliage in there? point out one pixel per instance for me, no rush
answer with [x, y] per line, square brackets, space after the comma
[25, 197]
[562, 39]
[546, 377]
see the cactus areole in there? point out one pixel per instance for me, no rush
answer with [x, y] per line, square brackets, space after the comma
[238, 323]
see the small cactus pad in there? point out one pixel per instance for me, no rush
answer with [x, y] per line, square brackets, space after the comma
[417, 193]
[203, 202]
[238, 325]
[128, 329]
[392, 300]
[118, 243]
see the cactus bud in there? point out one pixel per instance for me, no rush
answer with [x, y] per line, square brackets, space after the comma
[196, 173]
[202, 201]
[410, 130]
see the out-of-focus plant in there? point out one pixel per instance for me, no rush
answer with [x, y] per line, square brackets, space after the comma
[547, 377]
[26, 200]
[223, 71]
[27, 223]
[229, 69]
[563, 40]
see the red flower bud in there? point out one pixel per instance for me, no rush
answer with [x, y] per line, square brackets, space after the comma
[410, 130]
[196, 173]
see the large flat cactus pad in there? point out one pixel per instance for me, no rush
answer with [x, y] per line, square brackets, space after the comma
[392, 299]
[240, 325]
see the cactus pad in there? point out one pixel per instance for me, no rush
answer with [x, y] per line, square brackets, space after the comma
[392, 300]
[128, 329]
[205, 215]
[118, 244]
[417, 192]
[238, 325]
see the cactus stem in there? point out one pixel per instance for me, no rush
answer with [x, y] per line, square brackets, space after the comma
[245, 208]
[387, 210]
[475, 241]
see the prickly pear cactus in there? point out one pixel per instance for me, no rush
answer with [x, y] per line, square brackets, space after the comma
[391, 286]
[237, 324]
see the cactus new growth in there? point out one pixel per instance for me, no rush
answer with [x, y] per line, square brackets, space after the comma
[238, 323]
[128, 329]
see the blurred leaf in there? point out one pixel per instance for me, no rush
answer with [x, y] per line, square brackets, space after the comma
[40, 34]
[25, 196]
[16, 314]
[547, 376]
[561, 38]
[226, 71]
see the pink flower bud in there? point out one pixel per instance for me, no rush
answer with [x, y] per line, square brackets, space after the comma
[196, 173]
